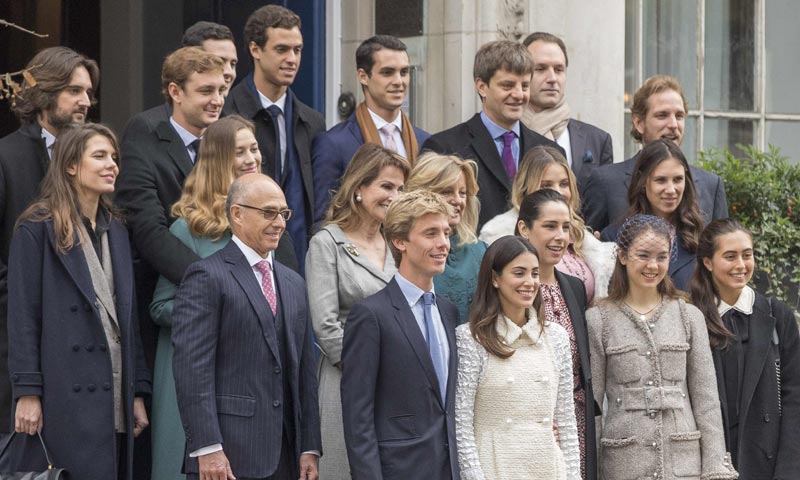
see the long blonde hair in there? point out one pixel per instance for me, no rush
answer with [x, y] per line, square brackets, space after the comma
[202, 202]
[437, 172]
[529, 177]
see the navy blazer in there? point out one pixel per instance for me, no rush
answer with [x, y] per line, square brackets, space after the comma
[331, 152]
[769, 412]
[605, 198]
[228, 371]
[471, 140]
[591, 147]
[395, 425]
[60, 352]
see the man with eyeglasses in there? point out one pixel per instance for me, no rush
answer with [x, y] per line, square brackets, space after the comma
[244, 361]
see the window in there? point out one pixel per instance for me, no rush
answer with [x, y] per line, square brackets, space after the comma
[734, 61]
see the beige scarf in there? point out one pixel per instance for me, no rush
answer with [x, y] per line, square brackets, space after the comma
[371, 135]
[549, 123]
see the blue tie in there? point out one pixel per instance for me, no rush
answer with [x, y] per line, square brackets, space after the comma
[275, 112]
[434, 346]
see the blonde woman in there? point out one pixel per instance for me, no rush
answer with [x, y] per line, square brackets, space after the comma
[587, 258]
[228, 151]
[455, 180]
[347, 261]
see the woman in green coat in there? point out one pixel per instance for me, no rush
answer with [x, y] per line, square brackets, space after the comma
[228, 151]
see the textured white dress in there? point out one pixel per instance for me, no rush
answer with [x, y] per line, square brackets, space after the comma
[506, 408]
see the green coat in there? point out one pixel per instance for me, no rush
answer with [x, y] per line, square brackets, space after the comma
[168, 437]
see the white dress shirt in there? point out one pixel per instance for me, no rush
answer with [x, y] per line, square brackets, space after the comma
[563, 141]
[398, 131]
[186, 137]
[49, 141]
[280, 103]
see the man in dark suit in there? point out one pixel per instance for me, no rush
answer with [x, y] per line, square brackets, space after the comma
[399, 356]
[213, 38]
[495, 138]
[383, 72]
[547, 113]
[65, 82]
[154, 165]
[285, 126]
[658, 111]
[244, 361]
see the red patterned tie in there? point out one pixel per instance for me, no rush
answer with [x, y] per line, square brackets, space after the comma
[266, 285]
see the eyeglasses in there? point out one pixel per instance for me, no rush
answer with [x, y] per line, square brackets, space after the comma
[270, 213]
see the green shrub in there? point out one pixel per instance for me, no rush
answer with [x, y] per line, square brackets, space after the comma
[763, 191]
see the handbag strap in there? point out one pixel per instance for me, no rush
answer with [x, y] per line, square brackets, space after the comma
[41, 440]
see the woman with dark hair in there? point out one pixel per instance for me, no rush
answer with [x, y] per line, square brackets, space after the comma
[652, 366]
[229, 150]
[347, 261]
[514, 376]
[756, 350]
[662, 185]
[75, 359]
[545, 219]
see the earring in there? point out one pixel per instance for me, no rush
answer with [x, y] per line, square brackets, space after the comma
[494, 284]
[358, 197]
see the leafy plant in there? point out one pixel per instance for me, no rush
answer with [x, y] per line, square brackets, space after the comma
[763, 191]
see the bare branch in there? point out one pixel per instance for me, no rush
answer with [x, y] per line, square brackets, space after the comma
[4, 23]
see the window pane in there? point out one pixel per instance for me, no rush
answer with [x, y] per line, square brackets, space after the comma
[631, 47]
[783, 69]
[670, 43]
[726, 133]
[689, 143]
[785, 135]
[730, 55]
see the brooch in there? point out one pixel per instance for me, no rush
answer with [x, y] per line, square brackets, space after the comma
[351, 249]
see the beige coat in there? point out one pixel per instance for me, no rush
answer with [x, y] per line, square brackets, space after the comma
[662, 417]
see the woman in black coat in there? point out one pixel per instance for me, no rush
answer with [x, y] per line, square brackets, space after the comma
[756, 351]
[75, 358]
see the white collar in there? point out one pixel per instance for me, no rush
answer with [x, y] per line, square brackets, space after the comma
[187, 137]
[744, 304]
[49, 139]
[510, 332]
[380, 122]
[266, 102]
[251, 255]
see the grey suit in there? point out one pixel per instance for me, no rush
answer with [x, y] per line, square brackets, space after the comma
[339, 276]
[239, 381]
[590, 147]
[605, 200]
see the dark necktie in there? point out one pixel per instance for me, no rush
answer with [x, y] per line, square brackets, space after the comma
[275, 112]
[434, 345]
[508, 155]
[196, 148]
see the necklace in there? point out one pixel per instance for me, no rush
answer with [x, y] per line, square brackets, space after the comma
[643, 315]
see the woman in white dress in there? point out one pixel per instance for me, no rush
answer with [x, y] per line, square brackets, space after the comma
[514, 410]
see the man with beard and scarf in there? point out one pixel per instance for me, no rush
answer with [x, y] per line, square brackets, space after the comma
[58, 92]
[548, 113]
[658, 111]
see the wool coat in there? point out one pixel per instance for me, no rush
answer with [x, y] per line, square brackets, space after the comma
[657, 375]
[60, 352]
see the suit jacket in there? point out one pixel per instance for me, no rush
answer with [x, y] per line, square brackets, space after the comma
[148, 120]
[23, 163]
[331, 153]
[471, 140]
[229, 375]
[591, 147]
[575, 297]
[769, 412]
[60, 352]
[605, 197]
[395, 425]
[307, 123]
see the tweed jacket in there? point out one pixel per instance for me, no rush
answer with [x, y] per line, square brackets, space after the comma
[663, 417]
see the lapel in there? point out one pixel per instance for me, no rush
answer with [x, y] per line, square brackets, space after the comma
[681, 260]
[350, 251]
[723, 395]
[408, 324]
[762, 325]
[244, 275]
[288, 310]
[450, 325]
[630, 164]
[355, 131]
[34, 131]
[75, 263]
[119, 246]
[301, 143]
[484, 147]
[576, 316]
[175, 147]
[577, 143]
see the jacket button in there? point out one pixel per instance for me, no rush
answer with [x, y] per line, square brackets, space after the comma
[766, 418]
[276, 403]
[90, 348]
[769, 456]
[73, 308]
[106, 386]
[76, 348]
[102, 348]
[76, 388]
[91, 387]
[277, 370]
[446, 445]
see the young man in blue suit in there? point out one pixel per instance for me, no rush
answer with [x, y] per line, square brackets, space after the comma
[383, 72]
[244, 365]
[399, 356]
